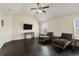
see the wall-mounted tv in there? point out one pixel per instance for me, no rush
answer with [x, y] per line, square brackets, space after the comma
[27, 26]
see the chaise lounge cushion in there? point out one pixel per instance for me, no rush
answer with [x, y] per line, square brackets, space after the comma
[62, 43]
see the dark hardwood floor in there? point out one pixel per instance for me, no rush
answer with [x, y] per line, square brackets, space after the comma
[31, 47]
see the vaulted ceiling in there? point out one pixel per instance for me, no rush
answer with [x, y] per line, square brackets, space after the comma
[55, 10]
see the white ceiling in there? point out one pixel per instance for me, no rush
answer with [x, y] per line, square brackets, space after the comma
[55, 10]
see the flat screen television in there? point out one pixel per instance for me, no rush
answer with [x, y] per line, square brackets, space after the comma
[27, 26]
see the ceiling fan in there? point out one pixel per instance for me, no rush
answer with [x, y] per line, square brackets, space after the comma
[39, 8]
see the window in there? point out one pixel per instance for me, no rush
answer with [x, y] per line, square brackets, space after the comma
[76, 28]
[45, 27]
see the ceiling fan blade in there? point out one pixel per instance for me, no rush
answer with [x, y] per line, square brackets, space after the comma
[43, 11]
[38, 4]
[45, 7]
[34, 8]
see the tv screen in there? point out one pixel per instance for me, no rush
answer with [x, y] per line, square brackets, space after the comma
[27, 26]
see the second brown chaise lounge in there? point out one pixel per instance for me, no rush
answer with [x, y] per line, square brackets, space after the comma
[63, 41]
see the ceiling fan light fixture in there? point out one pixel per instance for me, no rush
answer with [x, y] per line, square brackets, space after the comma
[39, 11]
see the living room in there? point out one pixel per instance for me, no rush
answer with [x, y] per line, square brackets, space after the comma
[53, 17]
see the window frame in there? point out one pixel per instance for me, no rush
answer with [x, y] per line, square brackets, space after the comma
[76, 29]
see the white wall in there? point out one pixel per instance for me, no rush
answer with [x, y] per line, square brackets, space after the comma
[6, 30]
[62, 24]
[13, 27]
[19, 20]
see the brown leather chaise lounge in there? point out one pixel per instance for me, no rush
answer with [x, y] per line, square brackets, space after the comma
[63, 41]
[45, 38]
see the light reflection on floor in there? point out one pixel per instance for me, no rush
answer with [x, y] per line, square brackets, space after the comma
[45, 50]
